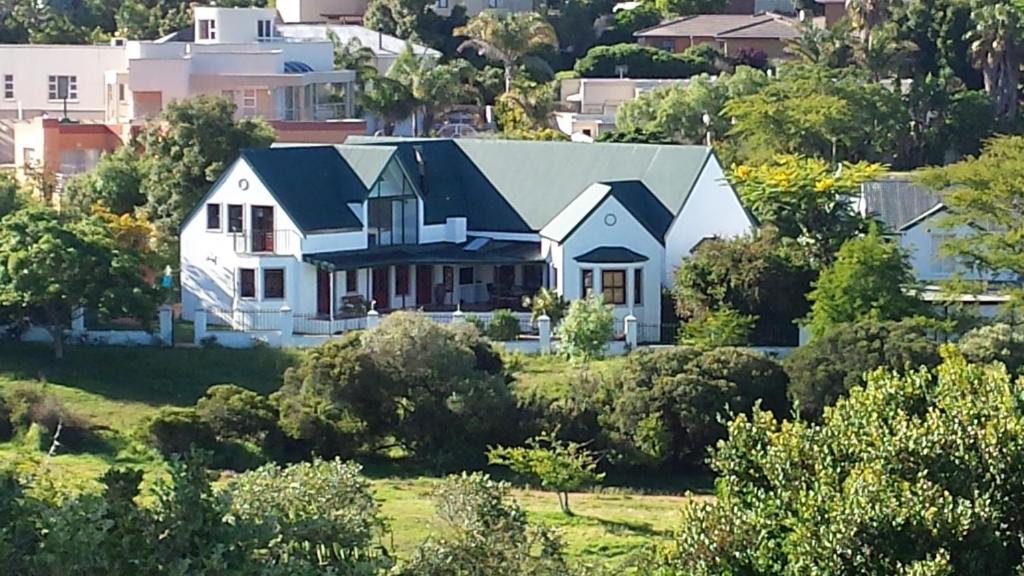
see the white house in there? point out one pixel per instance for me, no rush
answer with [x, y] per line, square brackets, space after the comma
[385, 48]
[436, 224]
[589, 105]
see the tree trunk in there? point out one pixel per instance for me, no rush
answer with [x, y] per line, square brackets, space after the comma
[508, 77]
[563, 502]
[57, 333]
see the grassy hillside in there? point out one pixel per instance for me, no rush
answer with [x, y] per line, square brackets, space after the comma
[117, 388]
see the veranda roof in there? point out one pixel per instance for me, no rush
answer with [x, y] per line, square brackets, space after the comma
[473, 251]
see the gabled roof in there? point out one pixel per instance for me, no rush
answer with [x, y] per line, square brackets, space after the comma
[632, 194]
[937, 209]
[724, 26]
[611, 255]
[897, 201]
[520, 186]
[312, 184]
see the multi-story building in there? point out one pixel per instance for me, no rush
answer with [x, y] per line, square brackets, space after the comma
[233, 52]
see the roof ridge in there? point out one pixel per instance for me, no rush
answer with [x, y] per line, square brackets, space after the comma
[763, 20]
[666, 23]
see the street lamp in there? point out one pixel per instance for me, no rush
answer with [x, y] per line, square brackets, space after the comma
[706, 118]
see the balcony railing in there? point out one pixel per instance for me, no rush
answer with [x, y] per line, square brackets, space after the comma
[330, 111]
[264, 241]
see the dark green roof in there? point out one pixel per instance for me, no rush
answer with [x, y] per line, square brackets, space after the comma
[643, 205]
[313, 184]
[611, 255]
[473, 251]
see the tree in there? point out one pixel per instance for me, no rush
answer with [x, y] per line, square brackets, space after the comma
[867, 15]
[870, 278]
[829, 366]
[483, 532]
[389, 100]
[436, 87]
[546, 302]
[116, 183]
[352, 55]
[998, 51]
[806, 199]
[887, 54]
[401, 18]
[187, 151]
[994, 343]
[50, 268]
[718, 327]
[913, 474]
[832, 47]
[762, 276]
[670, 8]
[985, 197]
[560, 466]
[10, 196]
[508, 38]
[586, 329]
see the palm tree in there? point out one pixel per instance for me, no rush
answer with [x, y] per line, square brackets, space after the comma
[868, 15]
[997, 51]
[832, 47]
[436, 87]
[352, 55]
[389, 100]
[887, 54]
[509, 38]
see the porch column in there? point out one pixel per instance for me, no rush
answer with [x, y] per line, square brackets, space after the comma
[333, 304]
[598, 288]
[411, 288]
[369, 288]
[629, 288]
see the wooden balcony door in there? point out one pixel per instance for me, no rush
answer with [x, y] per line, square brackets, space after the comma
[381, 287]
[323, 292]
[262, 228]
[424, 285]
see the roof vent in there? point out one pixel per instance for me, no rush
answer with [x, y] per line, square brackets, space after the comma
[476, 244]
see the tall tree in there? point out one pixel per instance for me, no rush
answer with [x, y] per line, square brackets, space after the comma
[998, 51]
[50, 267]
[870, 278]
[986, 194]
[352, 55]
[435, 86]
[187, 151]
[389, 100]
[832, 47]
[508, 38]
[868, 15]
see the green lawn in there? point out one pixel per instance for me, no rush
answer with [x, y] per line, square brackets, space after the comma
[116, 388]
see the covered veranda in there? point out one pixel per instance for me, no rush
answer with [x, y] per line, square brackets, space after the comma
[477, 275]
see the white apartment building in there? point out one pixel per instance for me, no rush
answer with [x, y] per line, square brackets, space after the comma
[386, 48]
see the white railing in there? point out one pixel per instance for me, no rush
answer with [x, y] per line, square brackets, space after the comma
[330, 111]
[264, 241]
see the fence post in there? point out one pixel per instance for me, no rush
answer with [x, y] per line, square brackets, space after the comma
[458, 317]
[166, 325]
[544, 328]
[287, 323]
[78, 319]
[199, 326]
[372, 319]
[631, 326]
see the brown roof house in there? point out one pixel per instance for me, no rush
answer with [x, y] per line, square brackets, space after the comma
[730, 33]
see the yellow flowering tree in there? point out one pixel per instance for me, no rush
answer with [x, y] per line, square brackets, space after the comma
[806, 199]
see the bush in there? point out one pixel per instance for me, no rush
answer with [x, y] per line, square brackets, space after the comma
[663, 408]
[915, 474]
[504, 326]
[177, 430]
[722, 327]
[640, 62]
[994, 343]
[483, 531]
[586, 329]
[33, 405]
[315, 515]
[6, 428]
[830, 365]
[234, 413]
[546, 301]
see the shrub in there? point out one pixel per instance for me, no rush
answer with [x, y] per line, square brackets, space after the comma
[6, 428]
[640, 62]
[234, 413]
[33, 405]
[483, 531]
[914, 474]
[664, 406]
[560, 466]
[314, 515]
[177, 430]
[546, 301]
[504, 326]
[994, 343]
[586, 329]
[475, 321]
[722, 327]
[830, 365]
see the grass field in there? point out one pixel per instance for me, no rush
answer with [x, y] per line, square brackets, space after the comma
[117, 388]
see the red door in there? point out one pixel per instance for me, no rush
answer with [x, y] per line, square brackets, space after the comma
[381, 288]
[424, 285]
[323, 292]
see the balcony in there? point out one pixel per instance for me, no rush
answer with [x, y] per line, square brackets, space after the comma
[265, 241]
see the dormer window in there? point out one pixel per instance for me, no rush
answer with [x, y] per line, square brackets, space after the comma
[392, 210]
[207, 29]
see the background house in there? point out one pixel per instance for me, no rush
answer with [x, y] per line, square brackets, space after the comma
[589, 105]
[436, 224]
[386, 48]
[729, 33]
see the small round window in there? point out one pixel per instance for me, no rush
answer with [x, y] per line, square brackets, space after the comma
[243, 184]
[610, 219]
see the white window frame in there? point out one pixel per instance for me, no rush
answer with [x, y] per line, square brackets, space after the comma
[8, 86]
[53, 90]
[250, 101]
[255, 283]
[264, 29]
[211, 29]
[442, 3]
[263, 284]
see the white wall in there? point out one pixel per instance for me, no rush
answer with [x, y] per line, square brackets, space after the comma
[32, 65]
[233, 24]
[713, 209]
[627, 232]
[922, 242]
[209, 262]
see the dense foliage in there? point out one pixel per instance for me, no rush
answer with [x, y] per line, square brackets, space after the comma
[914, 474]
[640, 62]
[586, 329]
[562, 466]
